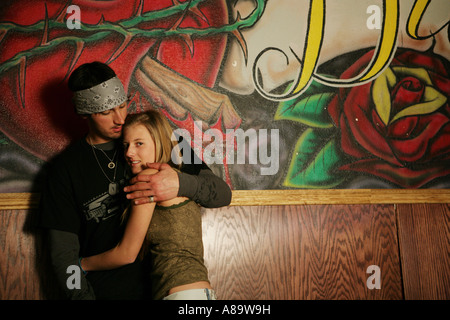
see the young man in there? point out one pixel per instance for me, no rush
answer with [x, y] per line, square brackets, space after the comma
[83, 199]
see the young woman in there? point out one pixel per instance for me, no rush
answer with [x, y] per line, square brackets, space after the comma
[170, 231]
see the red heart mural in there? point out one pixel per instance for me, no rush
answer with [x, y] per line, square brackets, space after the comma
[38, 53]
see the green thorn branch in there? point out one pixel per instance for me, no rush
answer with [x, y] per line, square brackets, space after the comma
[126, 28]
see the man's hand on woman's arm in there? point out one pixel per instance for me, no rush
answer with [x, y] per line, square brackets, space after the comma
[162, 185]
[200, 185]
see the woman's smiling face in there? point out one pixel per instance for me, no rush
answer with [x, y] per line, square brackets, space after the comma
[139, 147]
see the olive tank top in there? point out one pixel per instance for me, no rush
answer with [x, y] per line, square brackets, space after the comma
[174, 239]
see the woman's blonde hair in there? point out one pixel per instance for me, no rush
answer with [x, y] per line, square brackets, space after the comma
[161, 132]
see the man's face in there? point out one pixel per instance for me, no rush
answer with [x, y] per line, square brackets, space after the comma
[107, 125]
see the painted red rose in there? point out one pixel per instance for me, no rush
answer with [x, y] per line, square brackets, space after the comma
[35, 101]
[397, 127]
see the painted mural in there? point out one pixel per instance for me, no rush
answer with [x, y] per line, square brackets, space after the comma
[273, 94]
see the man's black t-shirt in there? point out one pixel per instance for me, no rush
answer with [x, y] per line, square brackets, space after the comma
[77, 199]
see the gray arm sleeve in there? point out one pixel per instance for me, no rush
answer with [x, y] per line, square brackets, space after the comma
[205, 188]
[64, 252]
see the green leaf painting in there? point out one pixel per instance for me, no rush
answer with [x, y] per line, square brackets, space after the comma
[310, 111]
[316, 157]
[309, 108]
[314, 163]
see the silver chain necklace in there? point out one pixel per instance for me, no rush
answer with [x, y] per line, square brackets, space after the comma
[111, 164]
[113, 187]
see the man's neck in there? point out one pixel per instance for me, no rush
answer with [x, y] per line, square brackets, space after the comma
[101, 143]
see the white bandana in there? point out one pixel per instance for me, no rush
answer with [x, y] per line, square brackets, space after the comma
[102, 97]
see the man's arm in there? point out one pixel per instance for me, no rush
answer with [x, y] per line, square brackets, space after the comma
[198, 183]
[205, 188]
[64, 252]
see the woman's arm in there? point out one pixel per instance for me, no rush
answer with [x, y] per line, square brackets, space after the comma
[128, 248]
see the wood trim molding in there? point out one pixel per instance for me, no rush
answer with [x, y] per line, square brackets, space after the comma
[339, 196]
[16, 201]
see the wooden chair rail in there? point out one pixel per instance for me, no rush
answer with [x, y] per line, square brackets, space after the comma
[12, 201]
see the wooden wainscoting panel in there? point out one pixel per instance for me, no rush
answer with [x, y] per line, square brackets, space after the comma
[302, 252]
[424, 236]
[24, 265]
[252, 252]
[18, 279]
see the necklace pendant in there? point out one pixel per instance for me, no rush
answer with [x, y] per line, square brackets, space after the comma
[111, 165]
[113, 188]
